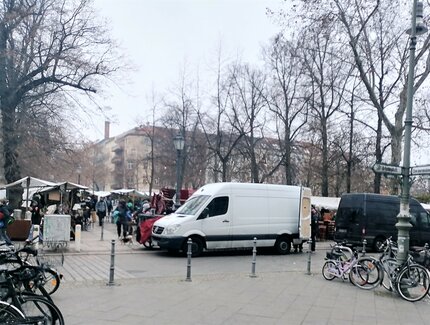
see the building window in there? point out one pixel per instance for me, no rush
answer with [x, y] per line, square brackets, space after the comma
[130, 165]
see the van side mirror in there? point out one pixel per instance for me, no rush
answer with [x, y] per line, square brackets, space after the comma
[204, 214]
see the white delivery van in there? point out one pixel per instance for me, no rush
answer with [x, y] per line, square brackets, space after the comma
[230, 215]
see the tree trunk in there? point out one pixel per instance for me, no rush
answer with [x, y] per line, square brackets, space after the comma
[324, 172]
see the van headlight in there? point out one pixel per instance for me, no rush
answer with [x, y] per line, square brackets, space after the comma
[172, 229]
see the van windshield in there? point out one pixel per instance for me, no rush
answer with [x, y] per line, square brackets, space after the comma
[193, 205]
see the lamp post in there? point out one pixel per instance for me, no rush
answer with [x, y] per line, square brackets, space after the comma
[403, 225]
[79, 171]
[179, 143]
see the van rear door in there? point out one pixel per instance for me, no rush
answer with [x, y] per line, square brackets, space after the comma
[305, 214]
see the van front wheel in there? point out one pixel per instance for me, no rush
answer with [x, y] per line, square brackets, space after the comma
[283, 245]
[196, 247]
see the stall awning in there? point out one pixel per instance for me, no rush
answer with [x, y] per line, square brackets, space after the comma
[130, 192]
[329, 203]
[29, 182]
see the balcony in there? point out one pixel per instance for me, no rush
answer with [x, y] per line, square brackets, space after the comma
[117, 160]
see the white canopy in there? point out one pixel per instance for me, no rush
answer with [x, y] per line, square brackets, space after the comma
[29, 182]
[130, 192]
[34, 185]
[330, 203]
[101, 193]
[426, 206]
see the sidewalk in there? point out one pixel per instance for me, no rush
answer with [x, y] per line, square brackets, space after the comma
[289, 297]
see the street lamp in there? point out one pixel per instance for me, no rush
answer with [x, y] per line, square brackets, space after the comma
[179, 143]
[79, 171]
[403, 225]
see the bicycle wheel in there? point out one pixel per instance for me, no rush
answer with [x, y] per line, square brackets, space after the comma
[359, 276]
[51, 280]
[38, 308]
[389, 265]
[413, 282]
[9, 314]
[329, 270]
[374, 271]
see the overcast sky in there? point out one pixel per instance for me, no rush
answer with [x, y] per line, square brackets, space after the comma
[160, 36]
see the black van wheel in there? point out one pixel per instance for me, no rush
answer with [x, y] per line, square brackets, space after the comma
[283, 245]
[378, 243]
[196, 247]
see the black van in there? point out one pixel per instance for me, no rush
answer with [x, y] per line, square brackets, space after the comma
[373, 217]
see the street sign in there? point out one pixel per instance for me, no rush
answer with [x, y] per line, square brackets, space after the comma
[387, 169]
[420, 170]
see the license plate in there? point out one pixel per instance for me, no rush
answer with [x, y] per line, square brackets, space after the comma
[154, 242]
[342, 230]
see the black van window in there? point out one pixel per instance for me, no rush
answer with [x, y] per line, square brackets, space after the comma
[349, 215]
[381, 212]
[413, 220]
[424, 220]
[218, 206]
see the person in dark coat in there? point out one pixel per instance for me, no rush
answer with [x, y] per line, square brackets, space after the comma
[36, 220]
[121, 212]
[5, 216]
[314, 227]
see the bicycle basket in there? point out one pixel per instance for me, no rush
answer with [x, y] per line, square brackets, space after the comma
[333, 255]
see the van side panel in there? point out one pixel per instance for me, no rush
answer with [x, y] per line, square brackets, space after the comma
[284, 210]
[250, 218]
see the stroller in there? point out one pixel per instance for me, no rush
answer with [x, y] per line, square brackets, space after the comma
[145, 230]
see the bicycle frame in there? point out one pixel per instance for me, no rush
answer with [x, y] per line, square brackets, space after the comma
[344, 267]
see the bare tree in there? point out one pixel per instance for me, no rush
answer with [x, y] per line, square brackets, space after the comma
[47, 48]
[288, 99]
[221, 134]
[181, 117]
[247, 114]
[379, 48]
[328, 75]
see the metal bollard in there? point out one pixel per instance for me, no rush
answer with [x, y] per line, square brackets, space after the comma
[254, 259]
[102, 229]
[78, 238]
[112, 264]
[308, 271]
[189, 254]
[364, 247]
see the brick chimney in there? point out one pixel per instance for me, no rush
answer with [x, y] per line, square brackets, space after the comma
[107, 126]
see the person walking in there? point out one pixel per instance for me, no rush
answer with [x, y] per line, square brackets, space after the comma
[36, 220]
[110, 207]
[314, 227]
[101, 210]
[121, 219]
[5, 214]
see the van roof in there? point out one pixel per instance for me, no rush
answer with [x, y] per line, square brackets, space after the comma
[375, 196]
[213, 188]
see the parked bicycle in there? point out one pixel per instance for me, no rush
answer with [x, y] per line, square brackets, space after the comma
[36, 309]
[342, 262]
[50, 279]
[410, 280]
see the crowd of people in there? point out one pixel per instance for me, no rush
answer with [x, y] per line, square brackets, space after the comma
[92, 209]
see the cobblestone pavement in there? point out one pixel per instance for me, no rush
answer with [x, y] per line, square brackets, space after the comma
[150, 288]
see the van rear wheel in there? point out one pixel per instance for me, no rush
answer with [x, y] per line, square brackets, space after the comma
[283, 245]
